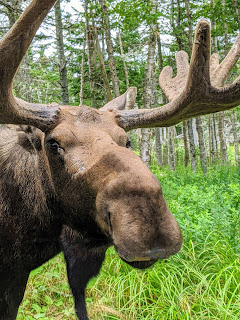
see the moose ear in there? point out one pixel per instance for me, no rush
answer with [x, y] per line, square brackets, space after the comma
[124, 102]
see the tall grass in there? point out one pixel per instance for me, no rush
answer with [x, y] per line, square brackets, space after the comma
[201, 282]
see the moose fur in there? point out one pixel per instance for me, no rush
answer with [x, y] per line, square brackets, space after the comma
[80, 195]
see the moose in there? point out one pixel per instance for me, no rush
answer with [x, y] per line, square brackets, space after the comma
[68, 183]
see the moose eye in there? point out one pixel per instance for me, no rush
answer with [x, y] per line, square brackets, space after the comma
[53, 146]
[128, 144]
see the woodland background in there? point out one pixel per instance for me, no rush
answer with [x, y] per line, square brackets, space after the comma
[88, 52]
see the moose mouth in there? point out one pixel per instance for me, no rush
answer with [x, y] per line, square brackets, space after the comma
[148, 258]
[140, 264]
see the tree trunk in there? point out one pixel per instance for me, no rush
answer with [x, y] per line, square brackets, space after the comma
[235, 136]
[185, 141]
[148, 86]
[222, 139]
[202, 148]
[158, 131]
[102, 64]
[192, 145]
[165, 146]
[61, 54]
[214, 27]
[90, 49]
[111, 60]
[171, 148]
[123, 59]
[212, 139]
[221, 115]
[159, 151]
[81, 94]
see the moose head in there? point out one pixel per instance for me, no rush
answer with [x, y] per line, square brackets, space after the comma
[86, 147]
[102, 186]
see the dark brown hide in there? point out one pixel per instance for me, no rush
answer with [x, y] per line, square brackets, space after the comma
[130, 206]
[81, 175]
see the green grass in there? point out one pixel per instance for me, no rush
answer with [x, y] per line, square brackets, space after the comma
[201, 282]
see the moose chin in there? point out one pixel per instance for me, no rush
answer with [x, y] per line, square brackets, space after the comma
[69, 182]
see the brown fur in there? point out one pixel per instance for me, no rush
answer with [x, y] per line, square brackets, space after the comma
[79, 174]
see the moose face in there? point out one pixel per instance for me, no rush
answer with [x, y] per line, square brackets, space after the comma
[87, 151]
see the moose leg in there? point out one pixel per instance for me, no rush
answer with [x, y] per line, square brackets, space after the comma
[11, 295]
[83, 263]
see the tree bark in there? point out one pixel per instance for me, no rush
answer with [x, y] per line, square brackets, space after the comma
[214, 27]
[102, 65]
[202, 148]
[89, 39]
[159, 151]
[192, 145]
[185, 141]
[61, 54]
[222, 139]
[171, 148]
[221, 115]
[111, 60]
[81, 94]
[148, 86]
[123, 59]
[165, 146]
[235, 136]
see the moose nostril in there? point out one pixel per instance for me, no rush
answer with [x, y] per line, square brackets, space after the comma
[110, 223]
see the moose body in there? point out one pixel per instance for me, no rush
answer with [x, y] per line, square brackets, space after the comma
[76, 189]
[71, 184]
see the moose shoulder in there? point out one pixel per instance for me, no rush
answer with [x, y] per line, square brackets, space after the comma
[69, 183]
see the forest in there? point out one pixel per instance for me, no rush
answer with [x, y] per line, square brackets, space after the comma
[91, 51]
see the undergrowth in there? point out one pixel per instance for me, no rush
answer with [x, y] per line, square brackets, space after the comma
[201, 282]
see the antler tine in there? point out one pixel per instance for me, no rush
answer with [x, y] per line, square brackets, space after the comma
[220, 71]
[124, 102]
[197, 98]
[172, 87]
[12, 50]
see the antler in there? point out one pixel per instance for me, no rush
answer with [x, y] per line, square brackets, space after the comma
[124, 102]
[194, 96]
[12, 50]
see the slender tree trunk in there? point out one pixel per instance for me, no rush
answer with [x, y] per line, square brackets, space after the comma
[165, 146]
[222, 139]
[176, 24]
[159, 151]
[202, 148]
[158, 131]
[61, 54]
[102, 64]
[192, 145]
[111, 60]
[171, 148]
[221, 115]
[82, 72]
[235, 136]
[212, 139]
[215, 135]
[148, 86]
[90, 49]
[185, 141]
[214, 27]
[123, 59]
